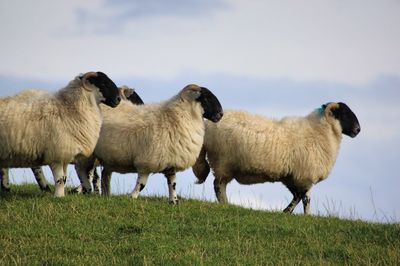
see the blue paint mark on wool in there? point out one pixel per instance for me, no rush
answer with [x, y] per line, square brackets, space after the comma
[321, 110]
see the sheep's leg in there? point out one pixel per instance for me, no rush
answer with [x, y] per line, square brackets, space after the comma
[171, 180]
[83, 168]
[140, 184]
[79, 189]
[290, 208]
[41, 179]
[220, 190]
[96, 181]
[106, 182]
[296, 199]
[297, 196]
[5, 181]
[59, 179]
[306, 201]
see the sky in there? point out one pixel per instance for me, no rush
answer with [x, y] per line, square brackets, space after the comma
[274, 58]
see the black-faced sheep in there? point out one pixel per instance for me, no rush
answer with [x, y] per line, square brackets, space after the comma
[126, 93]
[55, 129]
[299, 152]
[157, 138]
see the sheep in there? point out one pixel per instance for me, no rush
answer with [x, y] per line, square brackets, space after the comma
[157, 138]
[126, 93]
[55, 128]
[299, 152]
[37, 171]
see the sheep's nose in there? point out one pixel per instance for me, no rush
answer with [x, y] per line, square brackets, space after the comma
[219, 116]
[118, 99]
[356, 130]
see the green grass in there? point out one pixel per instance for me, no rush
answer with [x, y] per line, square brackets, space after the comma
[37, 229]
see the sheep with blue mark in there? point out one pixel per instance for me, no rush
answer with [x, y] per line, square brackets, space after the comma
[55, 128]
[157, 138]
[299, 152]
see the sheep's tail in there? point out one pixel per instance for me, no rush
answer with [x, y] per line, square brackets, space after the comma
[201, 169]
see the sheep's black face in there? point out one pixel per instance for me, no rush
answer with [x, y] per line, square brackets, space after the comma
[135, 99]
[107, 87]
[348, 120]
[211, 106]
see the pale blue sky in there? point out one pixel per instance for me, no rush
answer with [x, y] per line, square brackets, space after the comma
[274, 58]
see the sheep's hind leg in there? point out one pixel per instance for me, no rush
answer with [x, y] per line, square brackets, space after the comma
[4, 178]
[140, 184]
[292, 204]
[306, 201]
[83, 168]
[96, 181]
[171, 180]
[79, 189]
[59, 179]
[106, 182]
[296, 199]
[220, 190]
[41, 179]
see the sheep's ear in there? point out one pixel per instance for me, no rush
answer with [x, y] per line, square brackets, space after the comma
[85, 80]
[191, 92]
[125, 91]
[329, 107]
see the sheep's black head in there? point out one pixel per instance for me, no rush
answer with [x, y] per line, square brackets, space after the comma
[348, 120]
[135, 98]
[212, 109]
[211, 106]
[106, 86]
[131, 95]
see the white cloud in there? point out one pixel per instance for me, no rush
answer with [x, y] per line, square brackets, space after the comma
[352, 41]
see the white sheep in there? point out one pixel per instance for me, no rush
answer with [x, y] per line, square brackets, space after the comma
[37, 171]
[55, 128]
[129, 95]
[126, 93]
[155, 138]
[299, 152]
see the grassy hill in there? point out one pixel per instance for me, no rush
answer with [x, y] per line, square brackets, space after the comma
[36, 228]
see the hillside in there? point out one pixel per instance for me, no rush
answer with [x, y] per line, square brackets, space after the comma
[36, 228]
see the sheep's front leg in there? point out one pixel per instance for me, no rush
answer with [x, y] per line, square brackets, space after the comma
[140, 184]
[171, 180]
[306, 201]
[106, 182]
[5, 182]
[220, 191]
[59, 179]
[41, 179]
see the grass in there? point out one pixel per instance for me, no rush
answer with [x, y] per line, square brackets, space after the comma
[37, 229]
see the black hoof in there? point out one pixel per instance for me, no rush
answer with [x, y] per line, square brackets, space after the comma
[174, 202]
